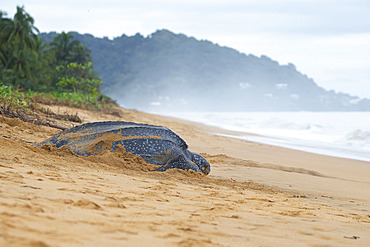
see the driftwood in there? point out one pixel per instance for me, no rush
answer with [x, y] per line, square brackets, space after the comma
[31, 118]
[65, 116]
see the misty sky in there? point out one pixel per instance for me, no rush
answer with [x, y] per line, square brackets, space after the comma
[329, 40]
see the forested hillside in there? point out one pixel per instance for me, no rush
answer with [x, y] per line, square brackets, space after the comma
[167, 71]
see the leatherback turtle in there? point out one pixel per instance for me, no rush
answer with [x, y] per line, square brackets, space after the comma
[155, 144]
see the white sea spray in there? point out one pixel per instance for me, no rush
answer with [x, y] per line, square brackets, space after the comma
[341, 134]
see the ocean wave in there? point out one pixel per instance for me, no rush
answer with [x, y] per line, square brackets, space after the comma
[359, 138]
[342, 134]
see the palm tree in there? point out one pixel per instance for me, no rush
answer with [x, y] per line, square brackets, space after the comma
[63, 46]
[6, 27]
[18, 33]
[80, 54]
[18, 56]
[67, 50]
[24, 30]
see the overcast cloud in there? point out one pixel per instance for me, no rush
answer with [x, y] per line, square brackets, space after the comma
[329, 40]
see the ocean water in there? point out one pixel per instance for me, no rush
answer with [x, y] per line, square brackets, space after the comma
[340, 134]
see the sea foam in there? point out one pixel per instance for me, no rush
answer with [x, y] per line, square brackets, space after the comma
[341, 134]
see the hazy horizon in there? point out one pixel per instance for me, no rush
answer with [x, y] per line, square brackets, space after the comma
[326, 41]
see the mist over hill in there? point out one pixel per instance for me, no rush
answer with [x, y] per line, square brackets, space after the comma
[167, 71]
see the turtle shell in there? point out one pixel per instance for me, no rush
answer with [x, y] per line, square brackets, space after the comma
[157, 145]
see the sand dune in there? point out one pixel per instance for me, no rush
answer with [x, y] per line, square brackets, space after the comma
[255, 195]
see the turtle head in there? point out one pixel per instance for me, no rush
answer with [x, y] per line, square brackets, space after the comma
[201, 162]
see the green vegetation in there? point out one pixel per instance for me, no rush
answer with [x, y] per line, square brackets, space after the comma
[21, 105]
[11, 99]
[31, 70]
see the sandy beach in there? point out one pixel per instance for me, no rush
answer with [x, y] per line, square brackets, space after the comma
[255, 195]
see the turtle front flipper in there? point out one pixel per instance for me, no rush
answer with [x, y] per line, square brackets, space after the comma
[158, 152]
[200, 161]
[179, 162]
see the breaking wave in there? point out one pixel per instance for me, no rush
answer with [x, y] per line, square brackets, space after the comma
[341, 134]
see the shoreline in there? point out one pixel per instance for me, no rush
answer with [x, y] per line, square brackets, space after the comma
[300, 145]
[305, 145]
[256, 194]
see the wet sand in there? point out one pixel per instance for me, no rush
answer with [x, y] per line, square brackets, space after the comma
[255, 195]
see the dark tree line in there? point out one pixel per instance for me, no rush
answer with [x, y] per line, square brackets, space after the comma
[26, 61]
